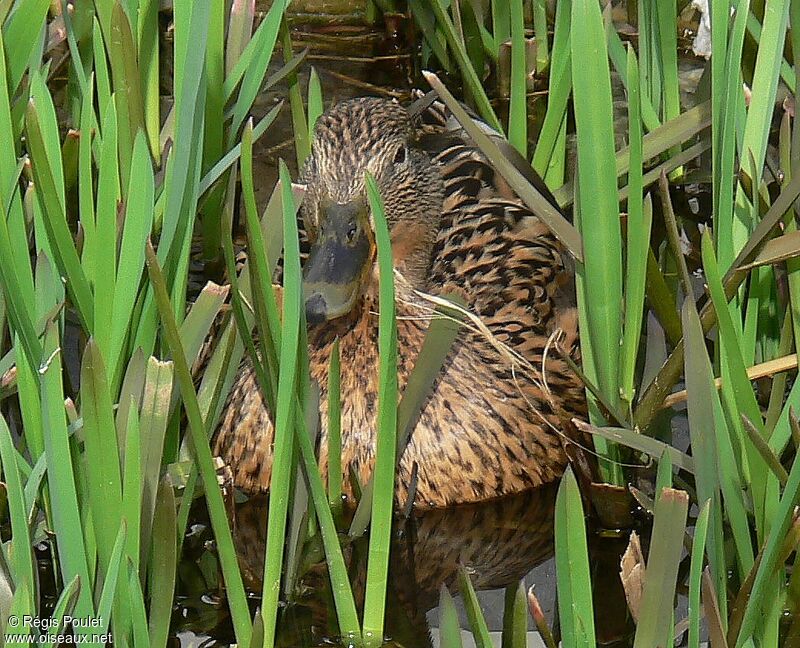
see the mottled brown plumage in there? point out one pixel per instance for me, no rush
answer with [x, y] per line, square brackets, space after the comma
[489, 428]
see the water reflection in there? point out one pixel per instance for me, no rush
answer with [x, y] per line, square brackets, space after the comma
[498, 542]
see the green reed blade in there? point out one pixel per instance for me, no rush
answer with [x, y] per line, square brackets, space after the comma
[315, 103]
[228, 160]
[426, 21]
[22, 556]
[548, 157]
[656, 612]
[110, 582]
[132, 484]
[642, 443]
[735, 378]
[572, 567]
[141, 636]
[266, 309]
[518, 106]
[477, 622]
[640, 221]
[449, 629]
[46, 169]
[666, 13]
[759, 112]
[237, 599]
[126, 79]
[103, 255]
[101, 72]
[515, 617]
[72, 554]
[468, 73]
[21, 35]
[695, 574]
[163, 566]
[335, 434]
[157, 393]
[701, 391]
[301, 127]
[386, 447]
[286, 405]
[770, 561]
[673, 132]
[101, 453]
[138, 223]
[601, 270]
[255, 65]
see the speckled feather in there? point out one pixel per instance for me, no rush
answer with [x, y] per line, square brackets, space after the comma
[487, 429]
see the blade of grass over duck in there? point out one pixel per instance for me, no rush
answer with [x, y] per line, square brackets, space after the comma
[335, 434]
[285, 407]
[436, 346]
[386, 447]
[601, 265]
[340, 583]
[266, 308]
[477, 622]
[237, 599]
[572, 567]
[560, 227]
[656, 612]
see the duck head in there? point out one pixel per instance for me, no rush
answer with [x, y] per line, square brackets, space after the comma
[353, 138]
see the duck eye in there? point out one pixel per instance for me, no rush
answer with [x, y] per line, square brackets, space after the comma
[351, 233]
[400, 155]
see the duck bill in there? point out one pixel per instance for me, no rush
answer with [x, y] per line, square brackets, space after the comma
[338, 262]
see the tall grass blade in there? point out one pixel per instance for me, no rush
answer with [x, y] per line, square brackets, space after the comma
[656, 612]
[477, 622]
[572, 567]
[385, 453]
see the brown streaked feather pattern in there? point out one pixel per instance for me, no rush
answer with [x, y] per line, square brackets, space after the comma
[488, 428]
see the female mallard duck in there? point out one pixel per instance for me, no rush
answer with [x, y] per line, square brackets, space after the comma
[488, 428]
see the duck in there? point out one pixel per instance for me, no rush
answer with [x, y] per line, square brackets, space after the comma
[491, 426]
